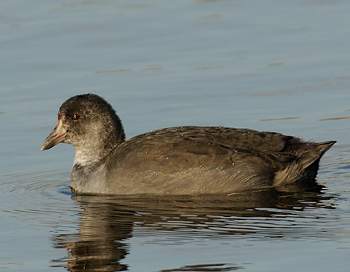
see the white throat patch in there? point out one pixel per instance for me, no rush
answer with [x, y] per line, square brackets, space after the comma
[85, 156]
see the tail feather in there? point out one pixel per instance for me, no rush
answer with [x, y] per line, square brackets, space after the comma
[304, 169]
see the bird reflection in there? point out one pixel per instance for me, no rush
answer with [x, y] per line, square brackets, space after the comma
[99, 244]
[107, 222]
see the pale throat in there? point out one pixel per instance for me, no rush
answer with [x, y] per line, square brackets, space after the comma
[89, 153]
[86, 156]
[95, 146]
[89, 150]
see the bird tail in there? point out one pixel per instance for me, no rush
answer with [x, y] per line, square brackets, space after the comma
[304, 169]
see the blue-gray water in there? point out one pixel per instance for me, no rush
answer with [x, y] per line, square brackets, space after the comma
[269, 65]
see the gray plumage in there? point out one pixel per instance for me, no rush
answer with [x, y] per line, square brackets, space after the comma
[177, 161]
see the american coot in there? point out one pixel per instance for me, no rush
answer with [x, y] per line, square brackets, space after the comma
[185, 160]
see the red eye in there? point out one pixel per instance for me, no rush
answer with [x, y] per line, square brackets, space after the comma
[76, 116]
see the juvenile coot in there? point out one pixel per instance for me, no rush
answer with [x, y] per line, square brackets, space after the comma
[185, 160]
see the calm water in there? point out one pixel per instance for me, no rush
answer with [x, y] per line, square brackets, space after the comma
[270, 65]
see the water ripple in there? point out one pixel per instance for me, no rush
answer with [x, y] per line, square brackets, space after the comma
[40, 198]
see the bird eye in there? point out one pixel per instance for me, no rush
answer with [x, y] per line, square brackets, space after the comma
[76, 116]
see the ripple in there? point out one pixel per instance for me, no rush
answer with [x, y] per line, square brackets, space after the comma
[336, 118]
[205, 268]
[40, 197]
[280, 119]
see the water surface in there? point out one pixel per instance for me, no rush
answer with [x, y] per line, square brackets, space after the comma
[269, 65]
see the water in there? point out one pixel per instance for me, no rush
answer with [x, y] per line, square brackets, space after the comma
[269, 65]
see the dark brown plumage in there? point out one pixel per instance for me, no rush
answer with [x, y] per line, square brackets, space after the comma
[180, 160]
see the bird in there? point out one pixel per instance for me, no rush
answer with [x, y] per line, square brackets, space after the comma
[184, 160]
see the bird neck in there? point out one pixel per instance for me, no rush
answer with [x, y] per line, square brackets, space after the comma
[97, 146]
